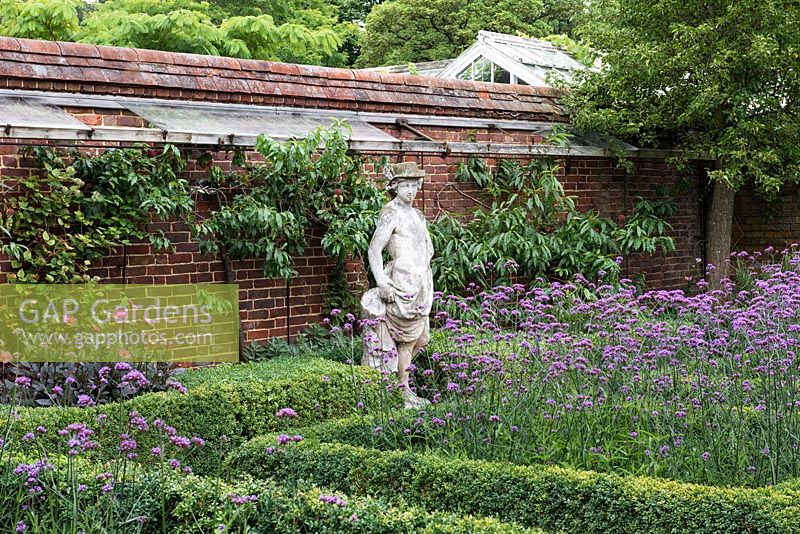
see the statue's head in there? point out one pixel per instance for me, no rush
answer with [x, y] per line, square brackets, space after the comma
[404, 180]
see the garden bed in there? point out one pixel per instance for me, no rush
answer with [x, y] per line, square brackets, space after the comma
[224, 406]
[148, 501]
[572, 407]
[602, 377]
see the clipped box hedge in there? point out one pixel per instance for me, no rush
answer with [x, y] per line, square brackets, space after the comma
[235, 401]
[546, 497]
[197, 504]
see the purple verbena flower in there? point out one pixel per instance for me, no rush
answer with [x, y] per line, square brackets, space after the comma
[286, 412]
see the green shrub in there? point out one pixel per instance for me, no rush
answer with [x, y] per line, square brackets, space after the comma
[275, 369]
[238, 402]
[547, 497]
[193, 504]
[303, 511]
[790, 486]
[198, 504]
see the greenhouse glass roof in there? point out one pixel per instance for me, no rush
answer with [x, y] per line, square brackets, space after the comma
[500, 58]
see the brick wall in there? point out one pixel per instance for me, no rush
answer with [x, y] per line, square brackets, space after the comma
[273, 308]
[269, 307]
[760, 223]
[107, 117]
[600, 185]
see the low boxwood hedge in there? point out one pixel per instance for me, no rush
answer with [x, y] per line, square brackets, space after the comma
[546, 497]
[225, 406]
[200, 504]
[289, 368]
[168, 501]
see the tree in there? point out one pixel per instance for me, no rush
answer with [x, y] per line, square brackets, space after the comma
[403, 31]
[39, 19]
[304, 32]
[327, 15]
[355, 10]
[712, 78]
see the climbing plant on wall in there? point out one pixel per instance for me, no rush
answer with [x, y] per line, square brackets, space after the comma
[275, 205]
[529, 226]
[79, 207]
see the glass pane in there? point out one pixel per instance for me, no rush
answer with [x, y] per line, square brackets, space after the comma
[482, 70]
[19, 112]
[465, 74]
[239, 121]
[520, 81]
[501, 75]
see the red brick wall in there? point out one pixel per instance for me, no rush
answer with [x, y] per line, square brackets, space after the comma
[270, 308]
[760, 223]
[107, 117]
[602, 186]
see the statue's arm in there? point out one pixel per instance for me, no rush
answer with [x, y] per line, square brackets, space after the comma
[383, 232]
[428, 241]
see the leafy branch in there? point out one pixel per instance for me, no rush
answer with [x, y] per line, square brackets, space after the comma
[302, 185]
[79, 208]
[532, 227]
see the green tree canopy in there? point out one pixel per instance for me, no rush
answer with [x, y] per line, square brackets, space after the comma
[54, 20]
[710, 77]
[302, 31]
[403, 31]
[355, 10]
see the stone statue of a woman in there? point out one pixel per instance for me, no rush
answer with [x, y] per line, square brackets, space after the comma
[397, 310]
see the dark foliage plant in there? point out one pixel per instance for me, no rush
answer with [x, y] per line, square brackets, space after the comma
[315, 340]
[82, 383]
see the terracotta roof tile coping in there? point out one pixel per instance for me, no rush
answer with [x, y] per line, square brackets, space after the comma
[50, 65]
[84, 50]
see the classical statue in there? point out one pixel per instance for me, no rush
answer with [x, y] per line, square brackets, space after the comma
[396, 312]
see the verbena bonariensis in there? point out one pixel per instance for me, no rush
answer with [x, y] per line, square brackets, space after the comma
[106, 475]
[700, 387]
